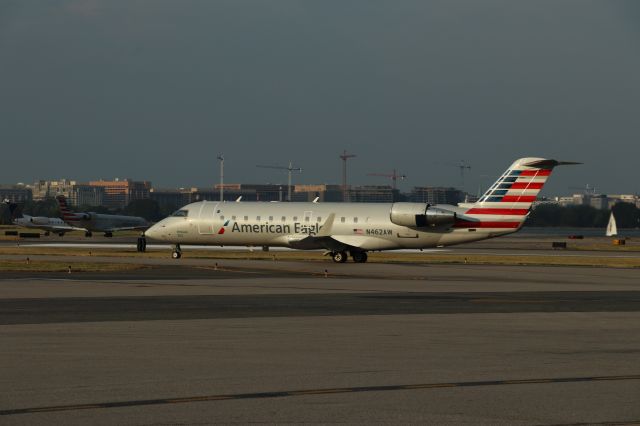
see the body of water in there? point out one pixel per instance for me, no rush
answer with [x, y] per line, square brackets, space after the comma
[564, 232]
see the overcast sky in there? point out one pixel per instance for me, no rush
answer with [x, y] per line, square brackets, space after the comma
[157, 89]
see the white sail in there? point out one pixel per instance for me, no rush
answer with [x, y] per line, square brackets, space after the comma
[612, 228]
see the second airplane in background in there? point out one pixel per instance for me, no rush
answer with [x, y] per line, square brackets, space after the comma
[100, 222]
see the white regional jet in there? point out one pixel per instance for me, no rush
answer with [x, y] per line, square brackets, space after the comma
[356, 228]
[100, 222]
[48, 224]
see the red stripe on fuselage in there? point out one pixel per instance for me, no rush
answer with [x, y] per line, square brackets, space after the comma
[511, 212]
[535, 173]
[467, 224]
[518, 198]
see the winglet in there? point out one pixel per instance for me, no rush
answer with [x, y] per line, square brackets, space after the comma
[325, 231]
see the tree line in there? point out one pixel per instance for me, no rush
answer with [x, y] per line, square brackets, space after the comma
[627, 216]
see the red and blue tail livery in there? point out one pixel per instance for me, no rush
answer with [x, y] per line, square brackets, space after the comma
[507, 203]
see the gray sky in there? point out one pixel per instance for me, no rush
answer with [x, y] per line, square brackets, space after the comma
[156, 89]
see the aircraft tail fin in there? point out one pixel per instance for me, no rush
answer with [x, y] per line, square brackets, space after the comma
[67, 214]
[507, 203]
[15, 210]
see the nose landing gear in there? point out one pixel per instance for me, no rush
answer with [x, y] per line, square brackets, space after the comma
[177, 253]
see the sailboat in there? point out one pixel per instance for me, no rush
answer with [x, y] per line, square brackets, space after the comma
[612, 228]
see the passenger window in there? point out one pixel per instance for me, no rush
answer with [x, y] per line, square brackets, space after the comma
[355, 220]
[221, 217]
[306, 219]
[270, 218]
[319, 219]
[284, 219]
[257, 217]
[233, 218]
[343, 219]
[246, 218]
[295, 218]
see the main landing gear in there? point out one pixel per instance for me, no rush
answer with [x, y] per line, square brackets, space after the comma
[88, 234]
[177, 253]
[108, 234]
[342, 256]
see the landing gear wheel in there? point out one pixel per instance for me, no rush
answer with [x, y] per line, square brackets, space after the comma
[108, 234]
[88, 234]
[359, 256]
[177, 253]
[339, 256]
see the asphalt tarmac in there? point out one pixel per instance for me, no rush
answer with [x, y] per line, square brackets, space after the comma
[278, 342]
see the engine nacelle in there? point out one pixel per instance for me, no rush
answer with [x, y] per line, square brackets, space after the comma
[39, 220]
[418, 215]
[86, 216]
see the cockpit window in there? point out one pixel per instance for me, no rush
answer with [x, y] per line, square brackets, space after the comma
[180, 213]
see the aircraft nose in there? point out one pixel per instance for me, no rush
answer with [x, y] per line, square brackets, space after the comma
[154, 232]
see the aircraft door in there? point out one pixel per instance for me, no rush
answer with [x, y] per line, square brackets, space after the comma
[205, 220]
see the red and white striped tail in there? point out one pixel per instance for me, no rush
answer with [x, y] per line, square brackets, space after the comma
[67, 215]
[506, 203]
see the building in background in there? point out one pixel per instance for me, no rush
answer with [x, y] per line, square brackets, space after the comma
[15, 193]
[371, 194]
[51, 188]
[86, 195]
[324, 193]
[119, 193]
[614, 199]
[436, 195]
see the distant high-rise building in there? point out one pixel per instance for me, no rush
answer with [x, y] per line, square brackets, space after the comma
[119, 193]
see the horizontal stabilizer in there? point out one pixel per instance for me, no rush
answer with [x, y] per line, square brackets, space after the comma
[549, 164]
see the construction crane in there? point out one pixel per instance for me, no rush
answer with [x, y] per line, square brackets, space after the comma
[394, 176]
[462, 166]
[587, 189]
[345, 156]
[289, 169]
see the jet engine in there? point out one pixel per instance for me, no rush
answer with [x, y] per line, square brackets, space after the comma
[39, 220]
[85, 216]
[418, 215]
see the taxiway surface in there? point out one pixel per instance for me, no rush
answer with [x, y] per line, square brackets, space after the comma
[277, 342]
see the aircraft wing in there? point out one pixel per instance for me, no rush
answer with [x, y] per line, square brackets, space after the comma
[126, 228]
[326, 239]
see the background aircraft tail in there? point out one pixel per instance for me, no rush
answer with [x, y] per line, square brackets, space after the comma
[67, 214]
[507, 203]
[15, 210]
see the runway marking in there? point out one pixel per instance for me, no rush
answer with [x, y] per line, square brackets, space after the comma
[307, 392]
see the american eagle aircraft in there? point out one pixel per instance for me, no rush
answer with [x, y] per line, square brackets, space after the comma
[48, 224]
[344, 229]
[99, 222]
